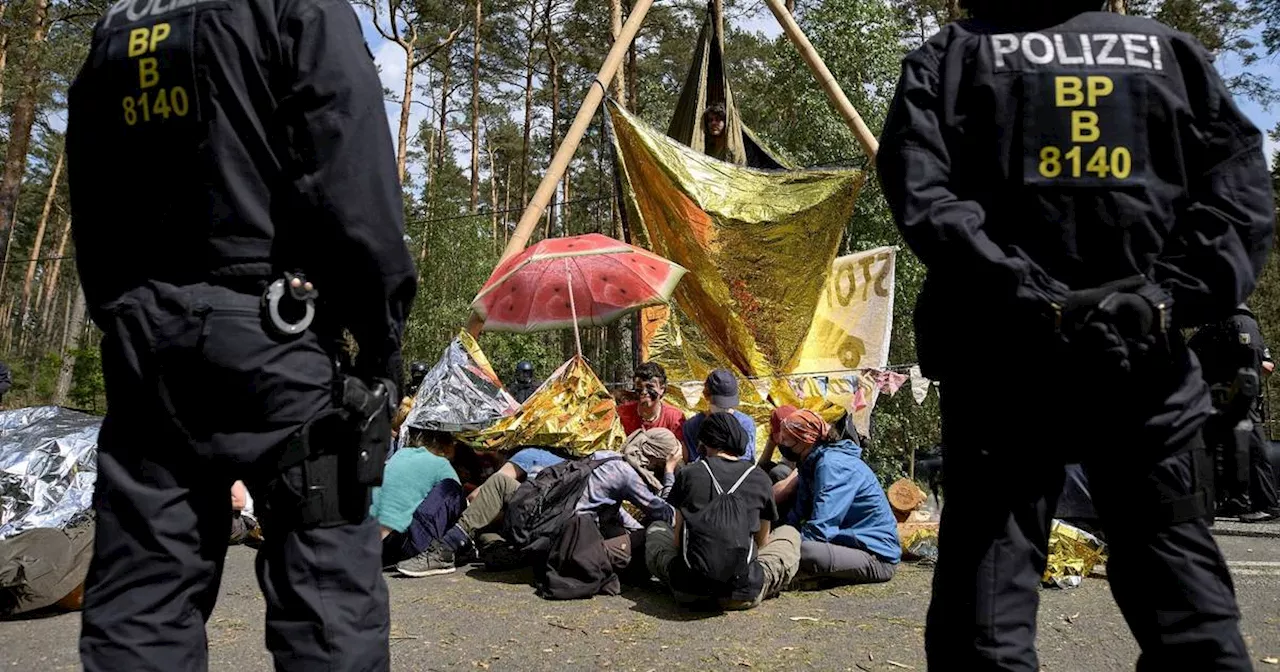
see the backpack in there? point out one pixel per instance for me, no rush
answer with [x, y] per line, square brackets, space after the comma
[542, 506]
[716, 543]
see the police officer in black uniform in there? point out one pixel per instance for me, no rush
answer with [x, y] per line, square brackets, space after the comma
[417, 373]
[1235, 362]
[1080, 186]
[524, 386]
[236, 209]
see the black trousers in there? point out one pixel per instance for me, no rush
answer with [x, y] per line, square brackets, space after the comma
[1247, 481]
[1003, 472]
[199, 396]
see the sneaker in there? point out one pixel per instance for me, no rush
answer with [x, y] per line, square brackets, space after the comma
[1259, 516]
[437, 559]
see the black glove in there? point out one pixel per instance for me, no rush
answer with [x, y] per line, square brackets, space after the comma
[1120, 328]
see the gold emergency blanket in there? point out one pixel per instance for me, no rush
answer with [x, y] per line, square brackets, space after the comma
[572, 411]
[759, 246]
[848, 336]
[1073, 553]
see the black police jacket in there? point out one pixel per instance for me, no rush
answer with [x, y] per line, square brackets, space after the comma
[1226, 348]
[1022, 165]
[217, 140]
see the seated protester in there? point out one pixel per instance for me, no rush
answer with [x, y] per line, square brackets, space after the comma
[722, 547]
[649, 411]
[419, 499]
[721, 393]
[608, 487]
[777, 470]
[649, 452]
[847, 529]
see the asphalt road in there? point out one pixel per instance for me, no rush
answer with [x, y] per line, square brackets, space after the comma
[481, 621]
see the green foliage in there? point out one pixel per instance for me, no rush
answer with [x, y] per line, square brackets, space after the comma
[88, 390]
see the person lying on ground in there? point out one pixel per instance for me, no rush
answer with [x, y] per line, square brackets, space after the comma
[848, 530]
[476, 532]
[420, 496]
[721, 394]
[722, 548]
[649, 411]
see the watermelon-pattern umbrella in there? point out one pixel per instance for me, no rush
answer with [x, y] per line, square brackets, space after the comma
[587, 280]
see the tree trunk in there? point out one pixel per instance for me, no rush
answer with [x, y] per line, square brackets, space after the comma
[475, 113]
[528, 103]
[66, 321]
[554, 59]
[506, 204]
[51, 278]
[47, 322]
[619, 80]
[4, 262]
[36, 247]
[633, 102]
[4, 49]
[76, 329]
[8, 321]
[791, 6]
[406, 102]
[24, 115]
[953, 10]
[493, 190]
[441, 145]
[1117, 6]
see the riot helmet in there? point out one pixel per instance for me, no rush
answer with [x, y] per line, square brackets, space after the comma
[417, 372]
[524, 371]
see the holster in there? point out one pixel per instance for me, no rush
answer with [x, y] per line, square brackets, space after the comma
[342, 454]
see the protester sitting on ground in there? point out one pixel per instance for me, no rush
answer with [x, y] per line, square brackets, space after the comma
[722, 547]
[777, 470]
[649, 452]
[721, 393]
[476, 532]
[420, 497]
[848, 529]
[648, 411]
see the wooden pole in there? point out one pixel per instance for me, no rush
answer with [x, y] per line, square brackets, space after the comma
[538, 203]
[869, 143]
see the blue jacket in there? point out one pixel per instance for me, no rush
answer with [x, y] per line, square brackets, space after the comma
[840, 501]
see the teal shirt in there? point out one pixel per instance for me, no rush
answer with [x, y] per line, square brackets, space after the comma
[410, 475]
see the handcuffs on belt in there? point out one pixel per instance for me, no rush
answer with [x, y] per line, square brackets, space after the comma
[298, 294]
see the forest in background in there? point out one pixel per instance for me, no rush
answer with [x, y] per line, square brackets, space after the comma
[486, 89]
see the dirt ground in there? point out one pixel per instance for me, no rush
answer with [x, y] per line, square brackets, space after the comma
[475, 620]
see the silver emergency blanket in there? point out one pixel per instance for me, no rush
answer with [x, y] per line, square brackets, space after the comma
[48, 465]
[461, 392]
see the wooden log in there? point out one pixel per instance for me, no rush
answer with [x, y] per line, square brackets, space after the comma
[905, 496]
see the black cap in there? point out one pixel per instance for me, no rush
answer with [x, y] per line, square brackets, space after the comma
[723, 432]
[722, 388]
